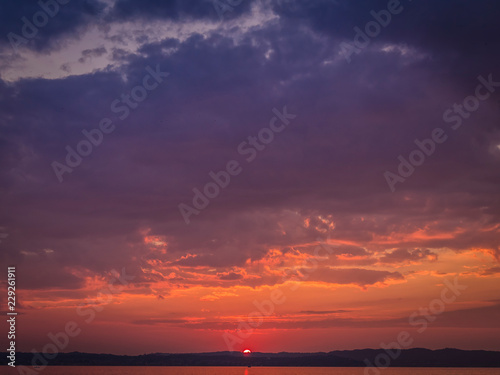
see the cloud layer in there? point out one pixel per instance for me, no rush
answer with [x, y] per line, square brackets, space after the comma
[320, 180]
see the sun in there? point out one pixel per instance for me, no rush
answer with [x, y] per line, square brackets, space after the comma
[247, 351]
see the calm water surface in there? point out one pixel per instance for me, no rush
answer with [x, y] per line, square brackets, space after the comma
[116, 370]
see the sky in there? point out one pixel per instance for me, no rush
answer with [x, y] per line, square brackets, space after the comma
[278, 175]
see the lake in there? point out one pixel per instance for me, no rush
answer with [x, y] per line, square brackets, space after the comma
[117, 370]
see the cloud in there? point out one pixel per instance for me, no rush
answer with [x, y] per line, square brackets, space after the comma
[481, 317]
[159, 321]
[89, 53]
[69, 20]
[309, 312]
[173, 9]
[357, 276]
[320, 178]
[491, 271]
[406, 255]
[230, 276]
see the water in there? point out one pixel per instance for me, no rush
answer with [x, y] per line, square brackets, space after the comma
[117, 370]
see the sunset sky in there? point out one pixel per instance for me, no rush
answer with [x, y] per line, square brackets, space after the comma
[334, 114]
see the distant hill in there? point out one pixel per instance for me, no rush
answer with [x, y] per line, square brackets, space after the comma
[344, 358]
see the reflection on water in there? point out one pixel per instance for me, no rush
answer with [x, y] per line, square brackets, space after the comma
[117, 370]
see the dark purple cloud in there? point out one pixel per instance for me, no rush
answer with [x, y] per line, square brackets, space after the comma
[353, 120]
[177, 9]
[62, 19]
[406, 255]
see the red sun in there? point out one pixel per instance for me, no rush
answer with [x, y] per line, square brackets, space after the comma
[247, 351]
